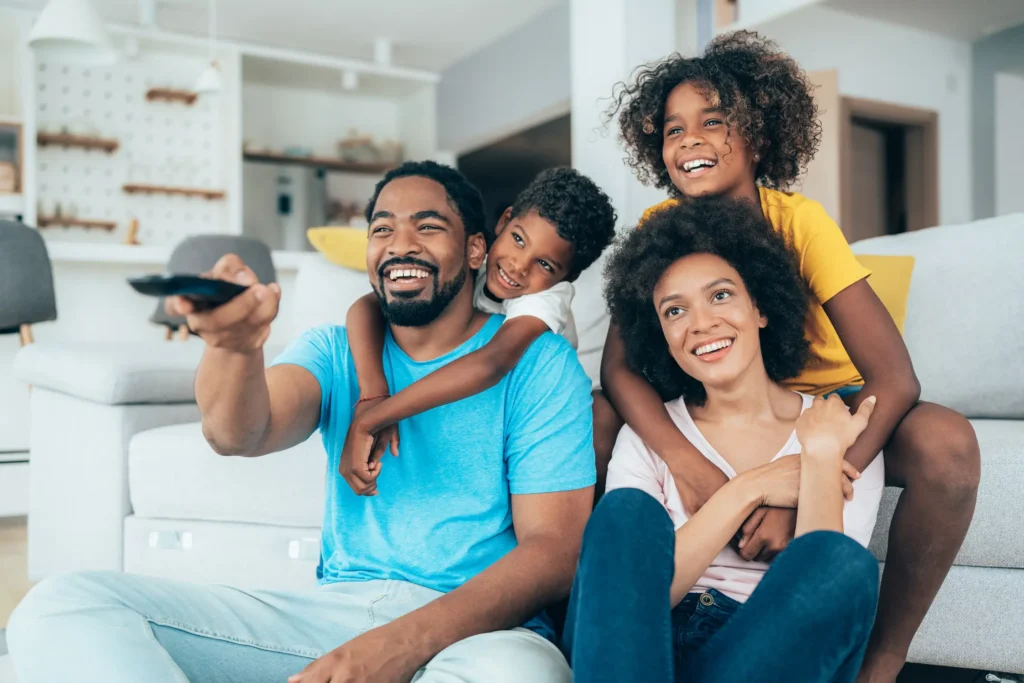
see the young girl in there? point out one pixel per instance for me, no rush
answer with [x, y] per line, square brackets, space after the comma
[739, 121]
[711, 308]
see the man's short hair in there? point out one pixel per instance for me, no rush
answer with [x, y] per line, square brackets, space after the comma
[463, 196]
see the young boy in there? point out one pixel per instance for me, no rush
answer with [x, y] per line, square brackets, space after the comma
[557, 227]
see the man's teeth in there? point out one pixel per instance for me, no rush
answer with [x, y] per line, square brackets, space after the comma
[713, 346]
[697, 163]
[414, 272]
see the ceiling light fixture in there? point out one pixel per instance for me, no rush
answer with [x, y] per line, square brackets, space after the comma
[72, 30]
[210, 81]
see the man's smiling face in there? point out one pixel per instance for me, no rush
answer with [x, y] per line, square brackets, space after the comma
[418, 255]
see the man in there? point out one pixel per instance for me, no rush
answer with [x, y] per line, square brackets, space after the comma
[475, 530]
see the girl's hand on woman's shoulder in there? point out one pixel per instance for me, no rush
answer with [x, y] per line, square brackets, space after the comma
[827, 428]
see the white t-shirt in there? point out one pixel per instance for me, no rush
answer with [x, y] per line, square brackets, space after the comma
[634, 465]
[553, 306]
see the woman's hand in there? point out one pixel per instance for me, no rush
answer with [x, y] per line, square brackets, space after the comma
[777, 483]
[827, 429]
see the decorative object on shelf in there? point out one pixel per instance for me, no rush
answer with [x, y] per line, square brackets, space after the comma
[187, 97]
[8, 177]
[72, 222]
[343, 213]
[357, 148]
[10, 157]
[298, 151]
[363, 149]
[326, 163]
[132, 238]
[137, 188]
[210, 81]
[68, 140]
[344, 246]
[72, 30]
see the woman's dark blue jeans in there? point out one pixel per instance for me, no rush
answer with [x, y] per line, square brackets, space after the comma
[808, 620]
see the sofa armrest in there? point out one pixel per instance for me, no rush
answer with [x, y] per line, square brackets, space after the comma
[115, 373]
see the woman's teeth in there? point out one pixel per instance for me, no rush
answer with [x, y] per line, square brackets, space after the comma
[697, 163]
[712, 347]
[414, 272]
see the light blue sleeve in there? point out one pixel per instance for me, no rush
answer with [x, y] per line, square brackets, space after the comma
[317, 350]
[549, 428]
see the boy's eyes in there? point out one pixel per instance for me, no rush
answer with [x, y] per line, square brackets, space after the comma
[712, 122]
[673, 131]
[517, 238]
[379, 229]
[545, 265]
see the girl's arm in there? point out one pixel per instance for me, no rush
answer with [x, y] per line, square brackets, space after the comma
[464, 377]
[880, 356]
[364, 326]
[640, 406]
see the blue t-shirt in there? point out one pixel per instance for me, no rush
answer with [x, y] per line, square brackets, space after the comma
[444, 513]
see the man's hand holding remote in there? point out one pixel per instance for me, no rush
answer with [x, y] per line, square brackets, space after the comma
[242, 325]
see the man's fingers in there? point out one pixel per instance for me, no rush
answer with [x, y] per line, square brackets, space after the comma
[847, 488]
[177, 306]
[752, 548]
[850, 471]
[232, 268]
[750, 526]
[232, 313]
[394, 441]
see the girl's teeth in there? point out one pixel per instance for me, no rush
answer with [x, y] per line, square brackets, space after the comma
[710, 348]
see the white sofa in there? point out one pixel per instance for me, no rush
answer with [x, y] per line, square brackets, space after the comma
[122, 479]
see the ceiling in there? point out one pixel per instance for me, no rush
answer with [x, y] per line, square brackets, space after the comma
[426, 34]
[968, 20]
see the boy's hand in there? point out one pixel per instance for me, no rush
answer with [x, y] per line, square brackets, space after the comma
[360, 457]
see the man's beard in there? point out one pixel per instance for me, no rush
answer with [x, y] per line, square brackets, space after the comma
[411, 312]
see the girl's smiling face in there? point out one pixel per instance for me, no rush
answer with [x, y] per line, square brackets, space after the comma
[703, 154]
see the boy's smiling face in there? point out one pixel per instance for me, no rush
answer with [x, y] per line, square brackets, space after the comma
[703, 155]
[528, 256]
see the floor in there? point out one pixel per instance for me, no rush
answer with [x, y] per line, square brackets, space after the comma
[13, 570]
[14, 584]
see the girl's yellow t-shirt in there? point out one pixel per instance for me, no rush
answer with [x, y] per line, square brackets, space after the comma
[829, 266]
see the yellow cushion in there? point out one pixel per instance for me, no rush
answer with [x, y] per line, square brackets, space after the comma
[341, 245]
[890, 278]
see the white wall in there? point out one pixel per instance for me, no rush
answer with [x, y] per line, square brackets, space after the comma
[881, 61]
[1009, 143]
[514, 83]
[10, 63]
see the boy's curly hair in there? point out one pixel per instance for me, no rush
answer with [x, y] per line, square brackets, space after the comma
[580, 211]
[764, 94]
[737, 232]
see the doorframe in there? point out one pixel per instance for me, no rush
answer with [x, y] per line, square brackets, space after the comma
[922, 147]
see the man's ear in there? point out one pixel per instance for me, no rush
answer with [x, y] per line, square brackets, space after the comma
[503, 222]
[476, 250]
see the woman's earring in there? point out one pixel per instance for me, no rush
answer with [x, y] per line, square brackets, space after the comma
[757, 157]
[648, 125]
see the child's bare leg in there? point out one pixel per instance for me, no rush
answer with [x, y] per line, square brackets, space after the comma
[934, 457]
[607, 424]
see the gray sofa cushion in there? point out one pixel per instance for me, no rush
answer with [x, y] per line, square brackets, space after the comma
[995, 538]
[116, 374]
[965, 313]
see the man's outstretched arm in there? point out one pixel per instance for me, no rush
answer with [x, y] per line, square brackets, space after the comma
[247, 410]
[536, 573]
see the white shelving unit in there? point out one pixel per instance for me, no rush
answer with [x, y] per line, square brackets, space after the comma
[277, 98]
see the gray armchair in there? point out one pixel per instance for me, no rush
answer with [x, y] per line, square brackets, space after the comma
[26, 281]
[199, 253]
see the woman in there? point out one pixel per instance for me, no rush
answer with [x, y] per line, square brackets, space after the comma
[711, 309]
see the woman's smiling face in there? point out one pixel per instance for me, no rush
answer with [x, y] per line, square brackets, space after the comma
[710, 322]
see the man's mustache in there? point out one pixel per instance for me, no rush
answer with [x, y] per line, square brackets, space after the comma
[406, 261]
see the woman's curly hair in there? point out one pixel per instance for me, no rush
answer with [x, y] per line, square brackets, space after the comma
[764, 94]
[737, 232]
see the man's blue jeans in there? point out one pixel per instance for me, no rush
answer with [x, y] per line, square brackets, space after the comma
[807, 621]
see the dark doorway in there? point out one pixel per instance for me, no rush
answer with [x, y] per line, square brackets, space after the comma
[502, 169]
